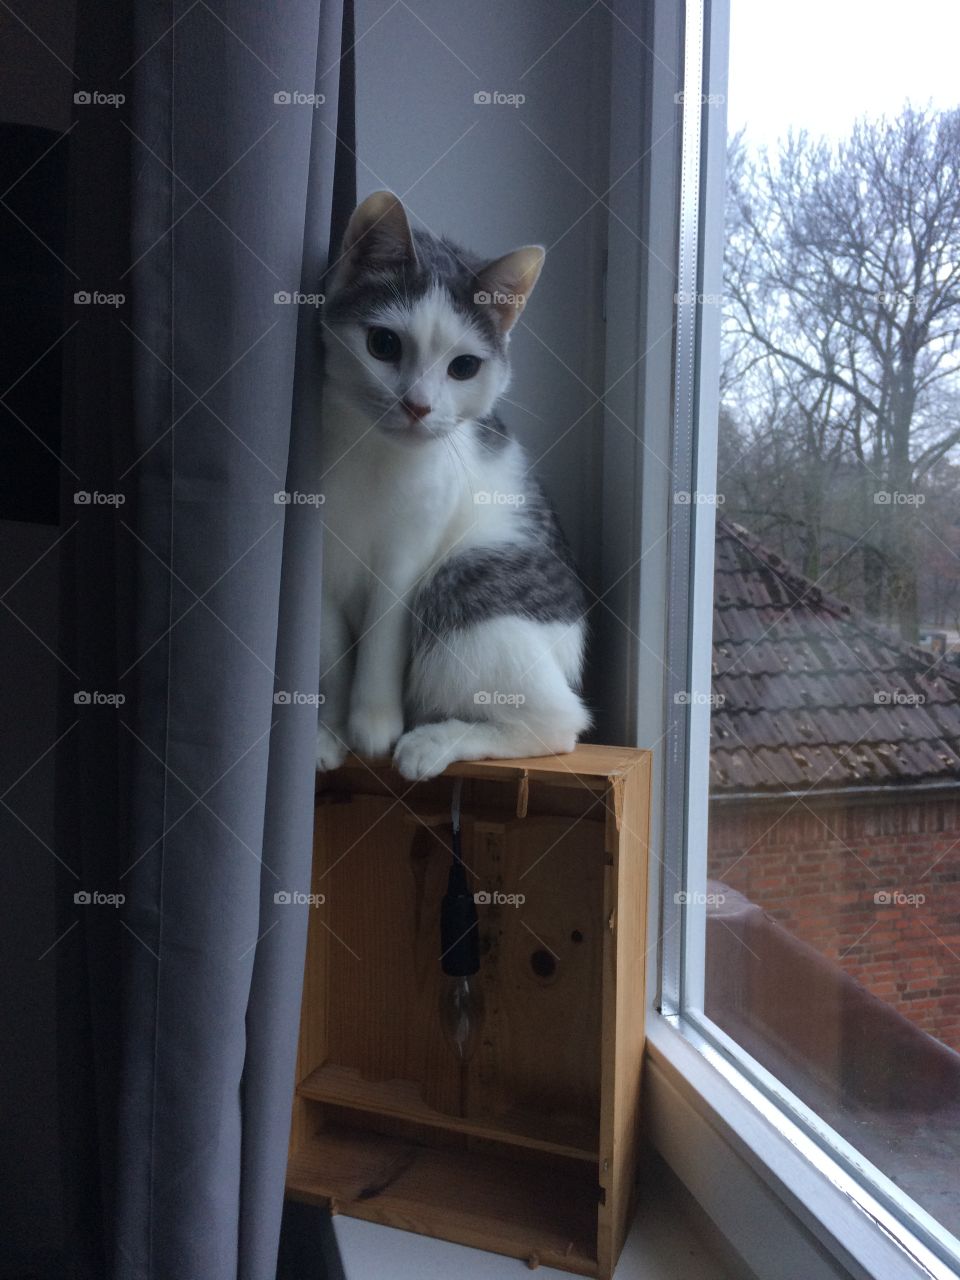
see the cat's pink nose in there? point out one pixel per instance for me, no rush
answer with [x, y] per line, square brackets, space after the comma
[416, 411]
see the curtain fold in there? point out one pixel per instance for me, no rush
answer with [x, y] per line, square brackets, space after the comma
[202, 204]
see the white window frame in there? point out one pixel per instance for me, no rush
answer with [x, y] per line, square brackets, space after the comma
[792, 1198]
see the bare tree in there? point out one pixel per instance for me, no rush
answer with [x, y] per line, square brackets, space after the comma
[843, 295]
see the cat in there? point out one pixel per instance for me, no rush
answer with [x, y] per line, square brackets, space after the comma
[453, 620]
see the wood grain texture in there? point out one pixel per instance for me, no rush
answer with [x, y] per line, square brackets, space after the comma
[623, 1009]
[486, 1201]
[403, 1100]
[513, 1152]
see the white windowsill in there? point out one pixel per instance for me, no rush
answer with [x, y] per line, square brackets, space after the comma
[784, 1204]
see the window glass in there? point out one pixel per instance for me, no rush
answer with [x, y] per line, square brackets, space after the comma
[833, 900]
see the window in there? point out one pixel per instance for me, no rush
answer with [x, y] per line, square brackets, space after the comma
[811, 892]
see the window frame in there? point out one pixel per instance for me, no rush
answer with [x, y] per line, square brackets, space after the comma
[718, 1118]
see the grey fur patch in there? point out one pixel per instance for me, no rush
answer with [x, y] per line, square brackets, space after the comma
[439, 262]
[535, 580]
[492, 433]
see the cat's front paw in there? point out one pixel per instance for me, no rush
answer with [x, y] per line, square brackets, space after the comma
[427, 750]
[372, 731]
[331, 749]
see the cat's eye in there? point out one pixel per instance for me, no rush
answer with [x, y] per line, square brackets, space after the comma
[464, 367]
[383, 344]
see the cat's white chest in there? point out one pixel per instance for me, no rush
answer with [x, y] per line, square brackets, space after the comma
[388, 520]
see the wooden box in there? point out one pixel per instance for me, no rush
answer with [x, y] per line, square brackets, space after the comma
[530, 1149]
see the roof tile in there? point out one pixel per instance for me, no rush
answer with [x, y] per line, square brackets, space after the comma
[813, 695]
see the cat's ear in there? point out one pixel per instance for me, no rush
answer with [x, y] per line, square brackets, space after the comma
[507, 282]
[379, 233]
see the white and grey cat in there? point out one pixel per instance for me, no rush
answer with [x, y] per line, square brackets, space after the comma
[453, 620]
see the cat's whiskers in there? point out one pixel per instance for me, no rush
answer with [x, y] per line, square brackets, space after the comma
[517, 405]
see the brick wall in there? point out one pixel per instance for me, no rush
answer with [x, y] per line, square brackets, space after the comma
[818, 869]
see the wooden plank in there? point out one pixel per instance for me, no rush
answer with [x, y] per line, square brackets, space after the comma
[383, 879]
[588, 765]
[542, 967]
[485, 1201]
[403, 1100]
[624, 999]
[496, 798]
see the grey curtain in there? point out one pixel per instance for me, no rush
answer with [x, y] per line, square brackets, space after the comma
[190, 601]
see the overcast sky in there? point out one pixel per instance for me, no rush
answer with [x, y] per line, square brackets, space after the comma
[822, 63]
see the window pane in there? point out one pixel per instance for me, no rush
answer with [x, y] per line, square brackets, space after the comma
[833, 907]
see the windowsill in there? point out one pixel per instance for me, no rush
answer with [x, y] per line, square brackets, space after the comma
[772, 1190]
[667, 1239]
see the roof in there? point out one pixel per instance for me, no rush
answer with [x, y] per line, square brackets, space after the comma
[813, 695]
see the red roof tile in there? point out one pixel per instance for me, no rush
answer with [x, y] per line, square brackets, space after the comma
[814, 695]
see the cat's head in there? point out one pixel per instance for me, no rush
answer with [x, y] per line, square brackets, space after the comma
[415, 329]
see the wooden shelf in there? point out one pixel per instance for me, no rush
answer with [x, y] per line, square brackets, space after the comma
[401, 1100]
[546, 1217]
[530, 1149]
